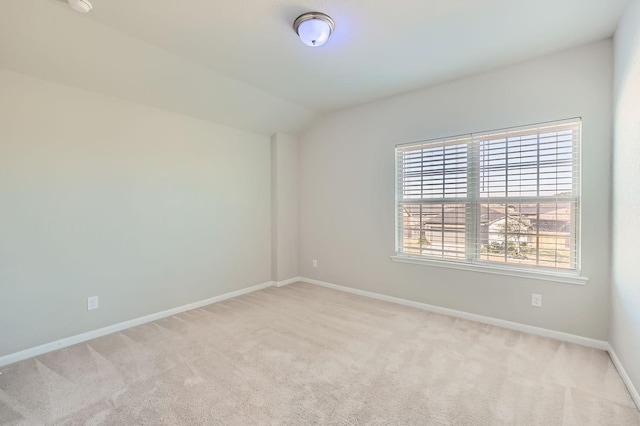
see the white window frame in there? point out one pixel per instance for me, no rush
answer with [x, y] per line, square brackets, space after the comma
[473, 202]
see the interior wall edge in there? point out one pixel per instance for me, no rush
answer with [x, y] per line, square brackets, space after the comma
[625, 377]
[288, 281]
[524, 328]
[565, 337]
[89, 335]
[539, 331]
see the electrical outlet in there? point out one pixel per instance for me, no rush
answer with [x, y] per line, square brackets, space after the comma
[536, 300]
[315, 263]
[92, 303]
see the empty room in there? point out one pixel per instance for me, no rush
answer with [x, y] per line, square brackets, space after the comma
[319, 213]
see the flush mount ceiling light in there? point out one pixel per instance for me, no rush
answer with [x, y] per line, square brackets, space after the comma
[82, 6]
[314, 28]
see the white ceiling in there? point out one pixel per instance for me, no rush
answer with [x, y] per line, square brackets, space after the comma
[240, 63]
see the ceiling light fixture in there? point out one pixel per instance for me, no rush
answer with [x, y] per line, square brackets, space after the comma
[314, 28]
[82, 6]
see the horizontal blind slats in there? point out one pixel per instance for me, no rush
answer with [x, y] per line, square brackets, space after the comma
[526, 180]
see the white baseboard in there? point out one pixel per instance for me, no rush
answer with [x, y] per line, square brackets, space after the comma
[566, 337]
[83, 337]
[625, 377]
[287, 282]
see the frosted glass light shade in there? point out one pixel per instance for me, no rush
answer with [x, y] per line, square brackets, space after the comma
[314, 32]
[82, 6]
[314, 28]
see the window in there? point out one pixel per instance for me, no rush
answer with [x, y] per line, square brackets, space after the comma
[509, 197]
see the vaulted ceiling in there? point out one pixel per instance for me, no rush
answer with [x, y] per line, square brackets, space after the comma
[240, 63]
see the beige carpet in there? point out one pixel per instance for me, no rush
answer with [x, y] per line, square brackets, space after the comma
[303, 355]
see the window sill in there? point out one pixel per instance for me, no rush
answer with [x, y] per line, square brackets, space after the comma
[497, 270]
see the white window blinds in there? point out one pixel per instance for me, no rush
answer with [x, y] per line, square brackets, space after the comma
[509, 196]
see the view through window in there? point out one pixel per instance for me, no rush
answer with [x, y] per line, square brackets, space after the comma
[506, 197]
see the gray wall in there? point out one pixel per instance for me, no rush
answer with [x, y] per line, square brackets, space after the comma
[625, 297]
[347, 188]
[146, 209]
[284, 207]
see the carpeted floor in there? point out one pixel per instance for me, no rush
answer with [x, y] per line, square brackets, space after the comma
[302, 355]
